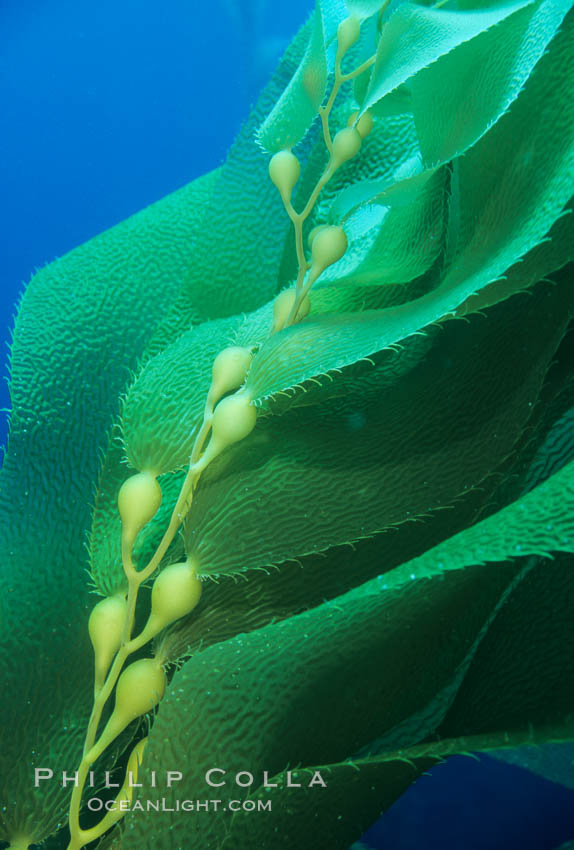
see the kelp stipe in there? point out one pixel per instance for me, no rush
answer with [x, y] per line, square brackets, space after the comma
[365, 415]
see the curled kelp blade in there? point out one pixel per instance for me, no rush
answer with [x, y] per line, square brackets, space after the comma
[553, 253]
[484, 76]
[506, 197]
[524, 690]
[477, 61]
[399, 459]
[481, 92]
[397, 237]
[415, 37]
[360, 789]
[282, 674]
[297, 107]
[544, 445]
[344, 652]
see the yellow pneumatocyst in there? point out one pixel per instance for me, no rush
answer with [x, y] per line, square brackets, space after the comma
[105, 629]
[328, 247]
[233, 419]
[284, 171]
[364, 125]
[175, 592]
[138, 501]
[346, 145]
[314, 232]
[348, 32]
[283, 305]
[229, 371]
[139, 689]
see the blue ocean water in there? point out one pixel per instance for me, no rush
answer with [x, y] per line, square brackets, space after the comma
[109, 106]
[112, 105]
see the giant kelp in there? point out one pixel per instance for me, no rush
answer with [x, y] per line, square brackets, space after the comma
[396, 489]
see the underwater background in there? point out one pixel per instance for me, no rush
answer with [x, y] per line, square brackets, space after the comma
[108, 107]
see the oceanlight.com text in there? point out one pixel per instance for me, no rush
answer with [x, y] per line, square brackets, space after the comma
[96, 804]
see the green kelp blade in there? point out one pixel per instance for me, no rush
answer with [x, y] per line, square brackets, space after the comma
[549, 256]
[500, 203]
[557, 449]
[183, 311]
[237, 699]
[82, 326]
[297, 107]
[313, 689]
[547, 449]
[164, 405]
[363, 8]
[370, 31]
[358, 299]
[399, 187]
[396, 244]
[416, 36]
[537, 524]
[507, 192]
[396, 102]
[399, 461]
[305, 815]
[362, 789]
[480, 80]
[520, 679]
[323, 344]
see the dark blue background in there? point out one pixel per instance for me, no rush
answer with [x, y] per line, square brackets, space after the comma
[108, 106]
